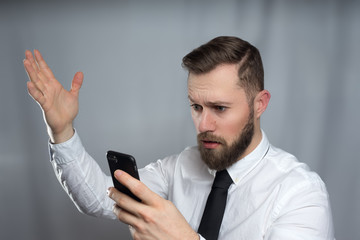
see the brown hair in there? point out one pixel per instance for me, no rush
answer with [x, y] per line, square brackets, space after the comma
[229, 50]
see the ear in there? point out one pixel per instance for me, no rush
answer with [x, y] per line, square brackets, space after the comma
[261, 102]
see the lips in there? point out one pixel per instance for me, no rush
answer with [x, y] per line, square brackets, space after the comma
[210, 144]
[208, 140]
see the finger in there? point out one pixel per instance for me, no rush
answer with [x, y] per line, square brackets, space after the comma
[42, 64]
[36, 77]
[35, 93]
[29, 56]
[39, 59]
[26, 63]
[31, 71]
[124, 216]
[138, 188]
[125, 202]
[77, 83]
[40, 83]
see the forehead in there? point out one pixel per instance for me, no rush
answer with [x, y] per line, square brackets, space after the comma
[217, 85]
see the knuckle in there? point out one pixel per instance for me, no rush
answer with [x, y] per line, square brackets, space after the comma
[119, 200]
[146, 216]
[139, 228]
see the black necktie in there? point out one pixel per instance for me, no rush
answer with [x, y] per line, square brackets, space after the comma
[215, 206]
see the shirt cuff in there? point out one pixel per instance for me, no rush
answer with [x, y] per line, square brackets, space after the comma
[66, 152]
[201, 237]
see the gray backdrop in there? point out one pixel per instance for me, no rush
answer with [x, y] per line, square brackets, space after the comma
[134, 95]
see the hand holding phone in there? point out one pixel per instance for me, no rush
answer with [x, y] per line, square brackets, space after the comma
[126, 163]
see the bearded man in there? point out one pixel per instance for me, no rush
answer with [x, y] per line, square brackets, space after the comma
[270, 194]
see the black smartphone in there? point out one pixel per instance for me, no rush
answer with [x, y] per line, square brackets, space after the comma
[126, 163]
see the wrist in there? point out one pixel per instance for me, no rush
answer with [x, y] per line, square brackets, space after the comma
[61, 136]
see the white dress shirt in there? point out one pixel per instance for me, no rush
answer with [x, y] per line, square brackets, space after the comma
[273, 196]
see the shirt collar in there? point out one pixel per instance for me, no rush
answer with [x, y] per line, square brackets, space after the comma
[245, 165]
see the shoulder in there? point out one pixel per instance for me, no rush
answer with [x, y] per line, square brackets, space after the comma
[301, 197]
[290, 169]
[296, 184]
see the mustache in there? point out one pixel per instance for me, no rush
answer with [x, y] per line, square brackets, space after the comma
[209, 137]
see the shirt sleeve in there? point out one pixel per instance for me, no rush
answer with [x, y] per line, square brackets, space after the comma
[81, 177]
[303, 213]
[159, 175]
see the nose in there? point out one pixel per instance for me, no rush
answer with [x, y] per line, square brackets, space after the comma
[206, 122]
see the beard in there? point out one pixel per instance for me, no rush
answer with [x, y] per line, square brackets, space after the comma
[227, 155]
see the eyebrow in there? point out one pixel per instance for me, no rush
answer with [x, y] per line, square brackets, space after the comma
[215, 103]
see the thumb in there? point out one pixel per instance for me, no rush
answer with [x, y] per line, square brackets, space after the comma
[77, 82]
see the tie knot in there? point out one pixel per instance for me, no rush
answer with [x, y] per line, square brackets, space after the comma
[222, 180]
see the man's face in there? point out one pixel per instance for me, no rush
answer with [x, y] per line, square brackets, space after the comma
[223, 119]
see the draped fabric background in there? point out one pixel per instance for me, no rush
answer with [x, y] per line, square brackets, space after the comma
[134, 95]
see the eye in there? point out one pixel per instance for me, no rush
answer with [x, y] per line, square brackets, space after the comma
[220, 108]
[196, 107]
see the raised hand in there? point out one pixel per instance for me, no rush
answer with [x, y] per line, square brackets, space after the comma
[154, 217]
[59, 106]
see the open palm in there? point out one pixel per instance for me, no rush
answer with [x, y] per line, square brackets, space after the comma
[59, 106]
